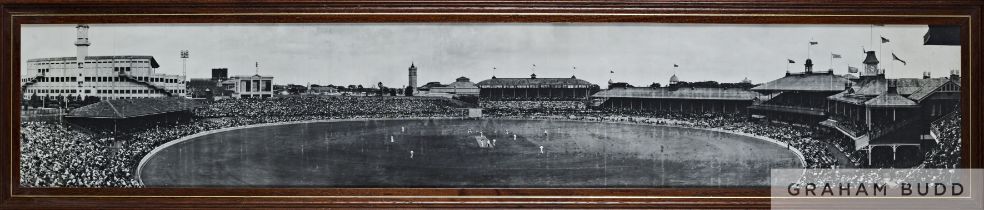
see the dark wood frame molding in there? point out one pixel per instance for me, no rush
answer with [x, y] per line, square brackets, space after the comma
[13, 13]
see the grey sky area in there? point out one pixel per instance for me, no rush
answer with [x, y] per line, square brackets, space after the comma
[640, 54]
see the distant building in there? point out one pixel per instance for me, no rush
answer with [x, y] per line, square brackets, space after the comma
[798, 97]
[201, 88]
[219, 86]
[685, 99]
[254, 86]
[106, 77]
[674, 79]
[538, 89]
[885, 115]
[461, 86]
[323, 90]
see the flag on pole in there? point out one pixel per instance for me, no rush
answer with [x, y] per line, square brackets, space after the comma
[852, 69]
[898, 59]
[791, 61]
[884, 40]
[814, 43]
[835, 55]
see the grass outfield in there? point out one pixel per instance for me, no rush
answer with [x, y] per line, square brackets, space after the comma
[447, 154]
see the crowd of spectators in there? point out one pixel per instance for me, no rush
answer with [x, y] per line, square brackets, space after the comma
[947, 153]
[55, 154]
[520, 107]
[852, 126]
[331, 106]
[809, 140]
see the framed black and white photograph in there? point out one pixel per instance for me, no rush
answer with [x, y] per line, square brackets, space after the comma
[400, 107]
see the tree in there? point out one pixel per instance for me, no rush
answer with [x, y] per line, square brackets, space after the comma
[71, 101]
[60, 100]
[655, 85]
[35, 101]
[90, 100]
[392, 91]
[408, 91]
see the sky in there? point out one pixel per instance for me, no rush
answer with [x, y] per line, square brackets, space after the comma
[640, 54]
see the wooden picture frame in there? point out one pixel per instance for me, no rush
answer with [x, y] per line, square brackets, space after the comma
[14, 13]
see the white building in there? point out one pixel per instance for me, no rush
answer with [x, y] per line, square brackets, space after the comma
[255, 86]
[106, 77]
[461, 86]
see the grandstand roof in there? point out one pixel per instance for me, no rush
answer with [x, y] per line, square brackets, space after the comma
[532, 81]
[153, 62]
[890, 100]
[136, 107]
[679, 93]
[815, 82]
[911, 89]
[906, 86]
[461, 82]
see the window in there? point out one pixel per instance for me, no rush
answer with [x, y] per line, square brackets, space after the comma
[88, 91]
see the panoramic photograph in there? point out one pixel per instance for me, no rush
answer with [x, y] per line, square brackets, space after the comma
[565, 105]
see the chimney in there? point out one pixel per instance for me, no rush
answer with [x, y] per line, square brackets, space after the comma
[847, 86]
[532, 76]
[893, 86]
[955, 75]
[927, 75]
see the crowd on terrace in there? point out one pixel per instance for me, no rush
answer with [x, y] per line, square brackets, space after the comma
[947, 153]
[808, 140]
[519, 107]
[55, 154]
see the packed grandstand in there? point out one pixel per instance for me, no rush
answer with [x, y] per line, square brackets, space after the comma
[56, 154]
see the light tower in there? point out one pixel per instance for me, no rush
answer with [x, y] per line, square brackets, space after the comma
[184, 64]
[413, 77]
[81, 43]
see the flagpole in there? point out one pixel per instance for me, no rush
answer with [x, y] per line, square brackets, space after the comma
[808, 46]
